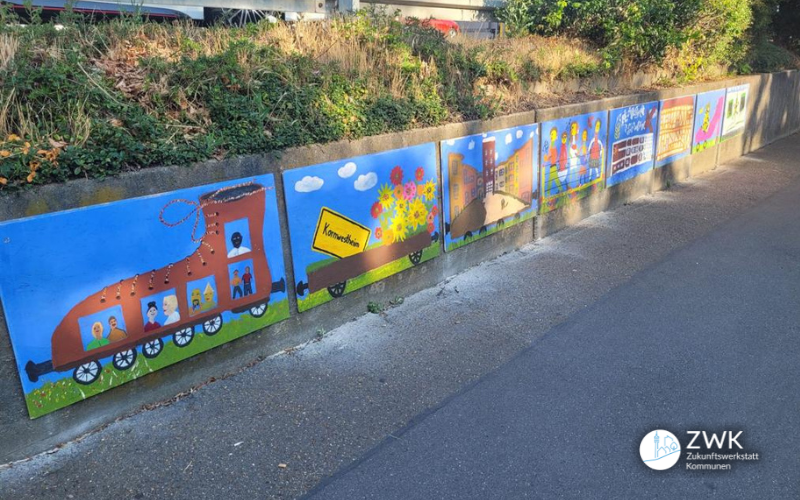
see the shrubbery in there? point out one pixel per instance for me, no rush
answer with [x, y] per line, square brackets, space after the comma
[95, 99]
[644, 31]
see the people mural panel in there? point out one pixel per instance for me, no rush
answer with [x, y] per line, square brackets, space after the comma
[573, 156]
[136, 285]
[632, 139]
[490, 181]
[356, 221]
[676, 117]
[735, 111]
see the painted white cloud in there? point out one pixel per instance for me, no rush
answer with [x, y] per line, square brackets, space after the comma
[348, 170]
[531, 136]
[451, 142]
[519, 134]
[471, 145]
[496, 156]
[308, 184]
[508, 139]
[365, 182]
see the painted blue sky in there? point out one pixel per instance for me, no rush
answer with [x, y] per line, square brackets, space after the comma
[349, 187]
[507, 141]
[713, 99]
[52, 262]
[632, 123]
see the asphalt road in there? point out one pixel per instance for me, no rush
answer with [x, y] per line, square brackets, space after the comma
[533, 375]
[706, 339]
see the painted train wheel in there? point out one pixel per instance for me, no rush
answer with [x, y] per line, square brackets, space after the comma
[153, 348]
[337, 290]
[415, 257]
[87, 373]
[183, 337]
[124, 360]
[259, 310]
[212, 326]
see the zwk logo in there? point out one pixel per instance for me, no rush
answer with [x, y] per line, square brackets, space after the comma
[660, 449]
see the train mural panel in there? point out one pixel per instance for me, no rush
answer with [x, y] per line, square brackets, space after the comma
[491, 181]
[573, 156]
[735, 111]
[356, 221]
[676, 118]
[708, 120]
[632, 139]
[98, 296]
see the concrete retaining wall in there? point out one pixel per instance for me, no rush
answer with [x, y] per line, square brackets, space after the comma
[773, 113]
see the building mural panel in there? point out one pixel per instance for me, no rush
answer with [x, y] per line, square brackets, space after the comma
[490, 182]
[675, 121]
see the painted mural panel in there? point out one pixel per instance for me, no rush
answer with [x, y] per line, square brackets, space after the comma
[490, 182]
[99, 296]
[735, 111]
[676, 118]
[356, 221]
[572, 157]
[632, 141]
[708, 120]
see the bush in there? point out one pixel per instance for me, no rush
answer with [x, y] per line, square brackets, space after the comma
[642, 31]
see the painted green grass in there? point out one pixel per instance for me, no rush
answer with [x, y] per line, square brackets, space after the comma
[55, 395]
[368, 278]
[561, 200]
[705, 145]
[495, 229]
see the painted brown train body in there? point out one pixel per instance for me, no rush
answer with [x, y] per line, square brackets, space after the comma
[209, 261]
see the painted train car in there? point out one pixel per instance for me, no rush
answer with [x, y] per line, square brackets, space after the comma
[193, 293]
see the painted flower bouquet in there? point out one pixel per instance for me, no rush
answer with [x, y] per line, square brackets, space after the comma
[405, 207]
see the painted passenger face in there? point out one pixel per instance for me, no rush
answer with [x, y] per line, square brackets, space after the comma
[236, 239]
[196, 296]
[208, 293]
[112, 322]
[97, 330]
[554, 135]
[152, 312]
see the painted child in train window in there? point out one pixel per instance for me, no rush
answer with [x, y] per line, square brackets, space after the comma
[237, 234]
[99, 340]
[171, 309]
[241, 279]
[115, 333]
[102, 328]
[152, 313]
[208, 298]
[236, 284]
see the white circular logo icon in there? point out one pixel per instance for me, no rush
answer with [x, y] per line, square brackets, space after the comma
[660, 449]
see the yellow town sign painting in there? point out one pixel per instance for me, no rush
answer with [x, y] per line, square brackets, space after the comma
[339, 236]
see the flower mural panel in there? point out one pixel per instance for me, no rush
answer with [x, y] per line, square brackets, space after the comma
[346, 235]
